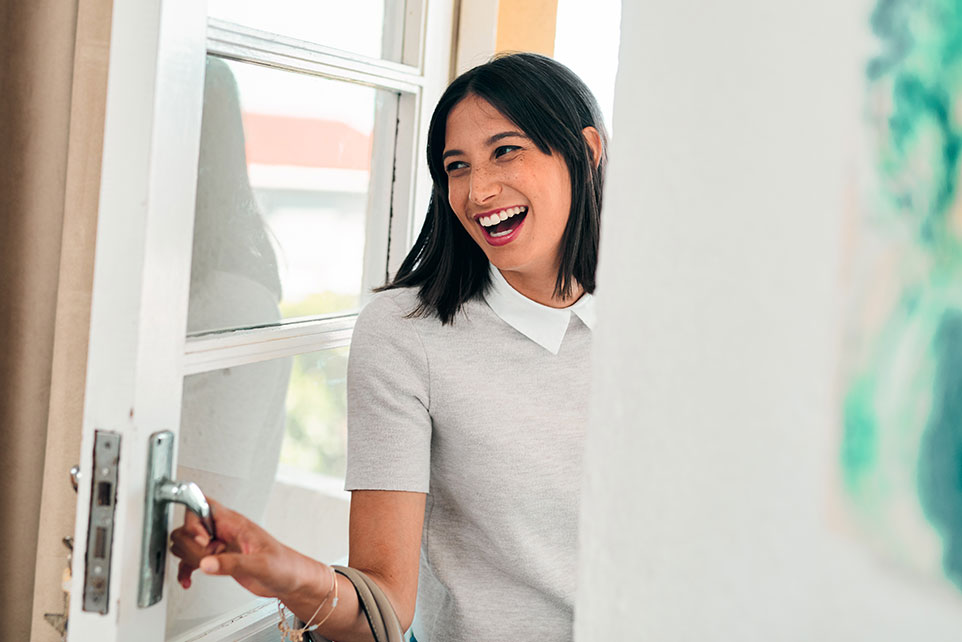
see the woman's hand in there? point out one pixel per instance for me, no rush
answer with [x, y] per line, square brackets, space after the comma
[243, 550]
[265, 567]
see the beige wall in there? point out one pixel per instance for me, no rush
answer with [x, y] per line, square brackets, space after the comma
[527, 25]
[35, 77]
[46, 252]
[486, 27]
[72, 322]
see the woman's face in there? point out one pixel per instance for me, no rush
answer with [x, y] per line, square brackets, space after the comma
[512, 198]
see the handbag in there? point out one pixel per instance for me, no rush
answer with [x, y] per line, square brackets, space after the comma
[380, 614]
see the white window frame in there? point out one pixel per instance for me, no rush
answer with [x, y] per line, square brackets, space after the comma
[390, 222]
[390, 217]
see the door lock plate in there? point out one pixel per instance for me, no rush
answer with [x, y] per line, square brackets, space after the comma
[100, 529]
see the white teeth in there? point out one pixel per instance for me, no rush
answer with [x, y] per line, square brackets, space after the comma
[503, 215]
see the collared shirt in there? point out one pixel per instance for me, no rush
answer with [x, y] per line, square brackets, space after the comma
[491, 425]
[544, 325]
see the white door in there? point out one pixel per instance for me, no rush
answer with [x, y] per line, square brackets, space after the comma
[262, 170]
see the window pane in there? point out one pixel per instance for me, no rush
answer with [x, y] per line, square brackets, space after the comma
[283, 191]
[373, 28]
[268, 440]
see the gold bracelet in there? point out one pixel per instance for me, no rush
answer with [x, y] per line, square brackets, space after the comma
[333, 605]
[291, 634]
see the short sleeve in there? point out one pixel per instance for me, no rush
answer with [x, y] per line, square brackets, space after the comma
[388, 424]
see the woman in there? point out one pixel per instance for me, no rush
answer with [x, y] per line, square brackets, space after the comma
[467, 384]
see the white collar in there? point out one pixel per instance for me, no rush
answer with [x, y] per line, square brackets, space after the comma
[544, 325]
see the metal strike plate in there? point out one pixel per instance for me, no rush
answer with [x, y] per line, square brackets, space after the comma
[161, 491]
[100, 529]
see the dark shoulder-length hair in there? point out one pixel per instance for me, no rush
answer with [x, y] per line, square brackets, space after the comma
[552, 106]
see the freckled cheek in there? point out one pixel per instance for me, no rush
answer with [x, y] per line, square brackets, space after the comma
[456, 200]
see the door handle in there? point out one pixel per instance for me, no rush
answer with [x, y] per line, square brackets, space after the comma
[190, 495]
[161, 492]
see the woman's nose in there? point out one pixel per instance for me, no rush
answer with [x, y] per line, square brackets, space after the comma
[484, 186]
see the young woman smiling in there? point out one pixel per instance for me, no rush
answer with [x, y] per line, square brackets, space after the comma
[467, 384]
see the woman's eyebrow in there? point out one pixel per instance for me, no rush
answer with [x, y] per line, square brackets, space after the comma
[511, 134]
[491, 141]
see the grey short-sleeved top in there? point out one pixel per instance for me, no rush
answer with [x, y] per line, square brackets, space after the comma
[490, 423]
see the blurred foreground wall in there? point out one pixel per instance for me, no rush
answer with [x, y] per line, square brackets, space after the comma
[718, 501]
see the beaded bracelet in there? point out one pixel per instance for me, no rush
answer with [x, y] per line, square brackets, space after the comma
[291, 634]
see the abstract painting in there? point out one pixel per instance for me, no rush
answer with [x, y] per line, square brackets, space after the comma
[901, 447]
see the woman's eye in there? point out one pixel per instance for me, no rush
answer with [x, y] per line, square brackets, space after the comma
[454, 166]
[505, 149]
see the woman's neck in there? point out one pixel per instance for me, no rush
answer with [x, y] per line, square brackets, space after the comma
[540, 288]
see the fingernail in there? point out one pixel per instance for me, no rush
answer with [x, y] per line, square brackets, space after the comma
[209, 564]
[202, 539]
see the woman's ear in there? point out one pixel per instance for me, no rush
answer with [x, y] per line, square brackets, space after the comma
[593, 138]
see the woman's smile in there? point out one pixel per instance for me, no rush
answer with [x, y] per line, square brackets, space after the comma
[500, 226]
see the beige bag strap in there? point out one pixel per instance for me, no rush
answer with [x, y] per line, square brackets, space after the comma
[380, 613]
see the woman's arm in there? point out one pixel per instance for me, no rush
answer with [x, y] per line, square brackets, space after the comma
[385, 543]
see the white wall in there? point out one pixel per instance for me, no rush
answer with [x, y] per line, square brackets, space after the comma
[586, 39]
[477, 33]
[706, 511]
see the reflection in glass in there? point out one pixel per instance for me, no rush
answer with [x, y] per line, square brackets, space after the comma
[266, 439]
[282, 195]
[373, 28]
[315, 437]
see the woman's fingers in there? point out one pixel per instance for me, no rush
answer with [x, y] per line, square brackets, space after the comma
[185, 547]
[184, 571]
[225, 521]
[242, 550]
[230, 564]
[192, 523]
[194, 529]
[229, 524]
[190, 551]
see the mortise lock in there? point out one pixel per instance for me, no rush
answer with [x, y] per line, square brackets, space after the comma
[161, 491]
[100, 528]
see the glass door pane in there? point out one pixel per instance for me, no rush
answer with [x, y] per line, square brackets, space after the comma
[372, 28]
[266, 439]
[284, 190]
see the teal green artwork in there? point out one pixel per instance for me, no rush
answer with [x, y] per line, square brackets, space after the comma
[901, 447]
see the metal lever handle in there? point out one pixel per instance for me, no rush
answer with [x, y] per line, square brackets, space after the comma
[162, 491]
[190, 495]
